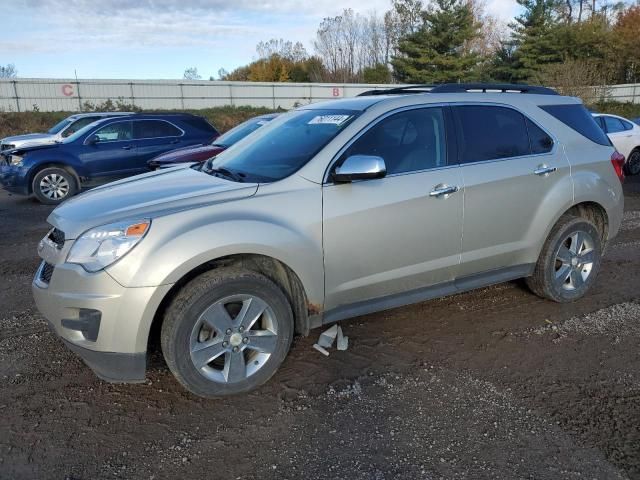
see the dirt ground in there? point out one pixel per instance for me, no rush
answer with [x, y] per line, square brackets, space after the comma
[495, 383]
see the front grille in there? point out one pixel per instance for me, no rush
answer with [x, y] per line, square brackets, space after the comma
[46, 272]
[57, 237]
[7, 146]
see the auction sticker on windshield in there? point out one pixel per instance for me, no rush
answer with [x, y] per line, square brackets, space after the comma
[329, 119]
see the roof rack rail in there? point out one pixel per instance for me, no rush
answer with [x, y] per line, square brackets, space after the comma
[425, 88]
[492, 87]
[464, 88]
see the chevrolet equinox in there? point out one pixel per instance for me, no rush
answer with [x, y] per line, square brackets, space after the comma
[330, 211]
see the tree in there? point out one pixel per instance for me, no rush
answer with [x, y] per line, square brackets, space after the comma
[536, 37]
[8, 71]
[503, 65]
[576, 78]
[191, 74]
[349, 43]
[438, 51]
[626, 31]
[377, 74]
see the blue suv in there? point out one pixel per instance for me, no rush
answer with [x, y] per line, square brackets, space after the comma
[99, 153]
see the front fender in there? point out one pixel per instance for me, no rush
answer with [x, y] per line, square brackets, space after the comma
[181, 242]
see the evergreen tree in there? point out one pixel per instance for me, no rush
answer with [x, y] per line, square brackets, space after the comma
[537, 39]
[438, 51]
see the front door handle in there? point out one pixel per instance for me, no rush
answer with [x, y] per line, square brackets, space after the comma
[544, 170]
[443, 190]
[127, 147]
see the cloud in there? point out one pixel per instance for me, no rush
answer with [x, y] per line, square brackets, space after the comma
[87, 24]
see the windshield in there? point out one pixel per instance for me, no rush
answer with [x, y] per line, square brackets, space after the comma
[238, 133]
[282, 149]
[58, 127]
[81, 132]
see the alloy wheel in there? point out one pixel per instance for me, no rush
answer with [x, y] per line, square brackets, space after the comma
[54, 186]
[574, 261]
[233, 338]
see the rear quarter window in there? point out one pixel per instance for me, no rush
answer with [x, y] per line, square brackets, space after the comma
[199, 123]
[578, 118]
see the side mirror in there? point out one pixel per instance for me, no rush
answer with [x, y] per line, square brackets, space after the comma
[359, 167]
[93, 139]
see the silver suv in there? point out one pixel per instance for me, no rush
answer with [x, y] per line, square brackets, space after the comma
[331, 211]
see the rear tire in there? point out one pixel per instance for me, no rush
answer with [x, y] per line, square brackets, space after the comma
[632, 167]
[569, 261]
[53, 185]
[226, 332]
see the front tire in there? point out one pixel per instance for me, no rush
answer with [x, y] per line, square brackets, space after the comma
[569, 261]
[53, 185]
[226, 332]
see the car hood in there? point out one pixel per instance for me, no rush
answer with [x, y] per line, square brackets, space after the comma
[187, 153]
[29, 139]
[145, 196]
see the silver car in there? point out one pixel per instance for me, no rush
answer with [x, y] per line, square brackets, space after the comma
[59, 131]
[331, 211]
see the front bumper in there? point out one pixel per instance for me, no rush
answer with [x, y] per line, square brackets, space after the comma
[106, 324]
[14, 179]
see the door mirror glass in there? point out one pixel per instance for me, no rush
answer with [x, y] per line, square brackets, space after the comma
[360, 167]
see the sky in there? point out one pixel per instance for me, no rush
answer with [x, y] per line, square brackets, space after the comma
[159, 39]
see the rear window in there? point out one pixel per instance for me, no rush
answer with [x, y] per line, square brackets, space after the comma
[578, 118]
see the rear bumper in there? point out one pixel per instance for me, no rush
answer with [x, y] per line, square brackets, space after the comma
[14, 179]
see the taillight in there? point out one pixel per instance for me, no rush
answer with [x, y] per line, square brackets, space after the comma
[617, 160]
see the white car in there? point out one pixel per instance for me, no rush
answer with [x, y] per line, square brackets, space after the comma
[625, 136]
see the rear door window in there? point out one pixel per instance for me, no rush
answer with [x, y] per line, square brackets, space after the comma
[490, 133]
[578, 118]
[154, 129]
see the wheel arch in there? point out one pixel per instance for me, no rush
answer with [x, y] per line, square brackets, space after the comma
[276, 270]
[53, 164]
[594, 212]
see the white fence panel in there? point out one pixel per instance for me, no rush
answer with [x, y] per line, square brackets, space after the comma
[24, 94]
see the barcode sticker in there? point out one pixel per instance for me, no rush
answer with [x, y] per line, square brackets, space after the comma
[329, 119]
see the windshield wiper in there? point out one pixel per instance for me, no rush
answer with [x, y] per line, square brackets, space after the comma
[224, 172]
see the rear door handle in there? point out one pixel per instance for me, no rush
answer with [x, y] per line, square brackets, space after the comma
[174, 141]
[544, 170]
[443, 190]
[127, 147]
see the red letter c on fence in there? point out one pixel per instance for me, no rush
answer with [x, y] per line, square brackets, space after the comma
[67, 90]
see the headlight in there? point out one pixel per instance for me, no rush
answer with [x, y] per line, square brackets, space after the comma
[101, 246]
[15, 160]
